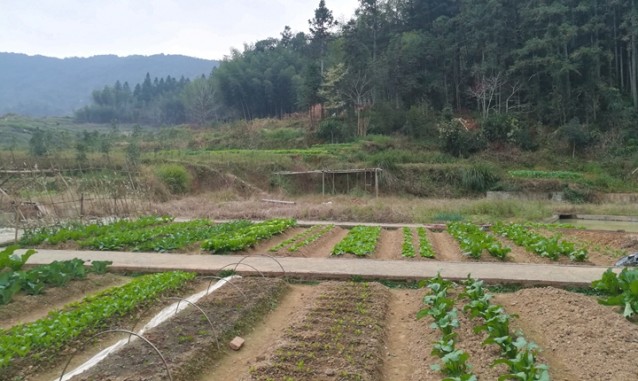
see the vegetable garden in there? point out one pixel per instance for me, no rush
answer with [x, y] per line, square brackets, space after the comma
[340, 330]
[459, 331]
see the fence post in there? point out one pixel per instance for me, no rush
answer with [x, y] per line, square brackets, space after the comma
[17, 222]
[81, 206]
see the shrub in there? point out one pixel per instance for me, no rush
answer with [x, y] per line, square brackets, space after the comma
[334, 131]
[458, 141]
[175, 177]
[478, 178]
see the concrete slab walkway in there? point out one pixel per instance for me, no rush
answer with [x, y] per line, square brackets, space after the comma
[335, 268]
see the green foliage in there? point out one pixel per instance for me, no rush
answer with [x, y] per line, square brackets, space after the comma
[14, 261]
[551, 247]
[479, 178]
[458, 141]
[474, 241]
[360, 241]
[302, 239]
[243, 237]
[407, 248]
[333, 130]
[519, 355]
[175, 177]
[60, 327]
[619, 290]
[561, 175]
[34, 281]
[56, 234]
[425, 248]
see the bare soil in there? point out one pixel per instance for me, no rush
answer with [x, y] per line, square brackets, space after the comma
[581, 339]
[263, 247]
[408, 343]
[28, 308]
[389, 245]
[235, 365]
[445, 247]
[339, 337]
[188, 342]
[322, 247]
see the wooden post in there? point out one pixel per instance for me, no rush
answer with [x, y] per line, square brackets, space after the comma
[81, 205]
[323, 183]
[376, 182]
[17, 222]
[333, 183]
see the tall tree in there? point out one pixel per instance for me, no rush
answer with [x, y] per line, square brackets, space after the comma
[320, 30]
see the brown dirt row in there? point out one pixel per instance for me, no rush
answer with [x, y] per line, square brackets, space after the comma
[389, 245]
[339, 337]
[581, 339]
[188, 342]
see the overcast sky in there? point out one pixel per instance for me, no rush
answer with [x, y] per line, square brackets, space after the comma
[198, 28]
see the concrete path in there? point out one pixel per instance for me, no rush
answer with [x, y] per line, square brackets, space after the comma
[336, 268]
[7, 236]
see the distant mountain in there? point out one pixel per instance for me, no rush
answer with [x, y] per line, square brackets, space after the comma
[44, 86]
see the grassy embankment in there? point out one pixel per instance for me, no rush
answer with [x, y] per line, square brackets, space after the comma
[229, 165]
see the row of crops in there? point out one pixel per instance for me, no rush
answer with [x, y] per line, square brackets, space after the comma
[519, 355]
[163, 234]
[474, 241]
[15, 280]
[48, 335]
[158, 234]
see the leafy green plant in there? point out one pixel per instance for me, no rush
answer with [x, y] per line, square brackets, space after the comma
[619, 290]
[100, 267]
[549, 247]
[9, 286]
[407, 248]
[14, 261]
[242, 238]
[425, 248]
[474, 241]
[516, 352]
[60, 327]
[360, 241]
[74, 231]
[523, 365]
[302, 239]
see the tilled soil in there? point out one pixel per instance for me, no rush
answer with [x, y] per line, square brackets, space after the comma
[28, 308]
[581, 339]
[339, 337]
[188, 342]
[389, 245]
[445, 247]
[322, 247]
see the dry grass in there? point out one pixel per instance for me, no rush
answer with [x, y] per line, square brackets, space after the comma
[228, 205]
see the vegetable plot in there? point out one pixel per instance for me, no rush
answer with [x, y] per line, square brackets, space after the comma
[440, 307]
[56, 274]
[552, 247]
[78, 232]
[162, 238]
[516, 352]
[619, 290]
[303, 239]
[407, 249]
[474, 241]
[360, 241]
[245, 237]
[425, 248]
[60, 327]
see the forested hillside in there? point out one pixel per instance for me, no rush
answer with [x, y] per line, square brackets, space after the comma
[44, 86]
[400, 65]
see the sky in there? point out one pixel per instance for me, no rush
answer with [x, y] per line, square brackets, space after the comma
[198, 28]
